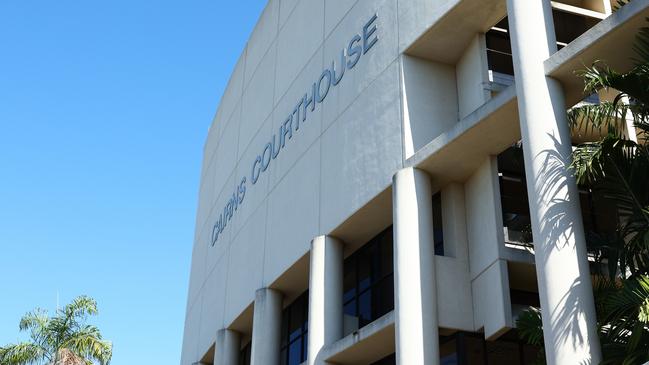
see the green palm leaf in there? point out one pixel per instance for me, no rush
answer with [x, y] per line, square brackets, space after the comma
[63, 337]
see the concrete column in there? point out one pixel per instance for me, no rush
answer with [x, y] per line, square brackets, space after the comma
[565, 287]
[227, 348]
[266, 327]
[414, 269]
[325, 295]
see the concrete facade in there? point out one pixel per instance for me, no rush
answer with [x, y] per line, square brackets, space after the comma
[340, 119]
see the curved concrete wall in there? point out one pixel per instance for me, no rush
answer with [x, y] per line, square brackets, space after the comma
[273, 178]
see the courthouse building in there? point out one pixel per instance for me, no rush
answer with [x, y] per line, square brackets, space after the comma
[385, 182]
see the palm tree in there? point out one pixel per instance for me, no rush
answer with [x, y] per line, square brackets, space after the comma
[618, 167]
[64, 339]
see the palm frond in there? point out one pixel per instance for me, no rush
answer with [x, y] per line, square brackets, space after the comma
[22, 354]
[81, 307]
[35, 319]
[608, 117]
[619, 4]
[87, 342]
[530, 326]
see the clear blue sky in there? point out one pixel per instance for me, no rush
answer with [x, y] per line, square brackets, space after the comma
[104, 108]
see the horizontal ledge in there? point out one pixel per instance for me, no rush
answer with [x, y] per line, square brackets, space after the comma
[370, 343]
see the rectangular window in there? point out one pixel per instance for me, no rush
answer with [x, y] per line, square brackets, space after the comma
[567, 27]
[598, 213]
[499, 49]
[513, 196]
[294, 331]
[368, 282]
[472, 349]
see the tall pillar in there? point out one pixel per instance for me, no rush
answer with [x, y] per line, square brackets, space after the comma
[227, 348]
[414, 269]
[565, 287]
[266, 327]
[325, 295]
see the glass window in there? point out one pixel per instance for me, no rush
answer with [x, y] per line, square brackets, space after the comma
[513, 196]
[448, 351]
[600, 220]
[294, 331]
[499, 49]
[471, 349]
[368, 283]
[569, 26]
[599, 214]
[499, 52]
[503, 353]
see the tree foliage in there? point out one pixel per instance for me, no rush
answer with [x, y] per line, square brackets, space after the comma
[64, 339]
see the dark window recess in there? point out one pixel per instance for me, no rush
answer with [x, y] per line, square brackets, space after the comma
[294, 331]
[570, 26]
[499, 51]
[513, 196]
[244, 355]
[598, 213]
[448, 351]
[438, 230]
[388, 360]
[525, 298]
[472, 349]
[368, 283]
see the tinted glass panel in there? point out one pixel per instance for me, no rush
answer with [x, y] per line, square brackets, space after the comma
[499, 53]
[364, 271]
[349, 282]
[368, 282]
[513, 196]
[295, 352]
[386, 260]
[465, 348]
[570, 26]
[504, 353]
[294, 331]
[474, 350]
[448, 352]
[365, 307]
[384, 298]
[296, 320]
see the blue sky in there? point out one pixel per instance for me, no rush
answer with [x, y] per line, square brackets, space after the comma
[104, 108]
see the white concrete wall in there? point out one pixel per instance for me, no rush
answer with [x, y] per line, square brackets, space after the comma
[344, 154]
[415, 17]
[489, 276]
[429, 101]
[455, 304]
[472, 75]
[341, 157]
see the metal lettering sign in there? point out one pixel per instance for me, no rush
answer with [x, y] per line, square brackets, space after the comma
[359, 45]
